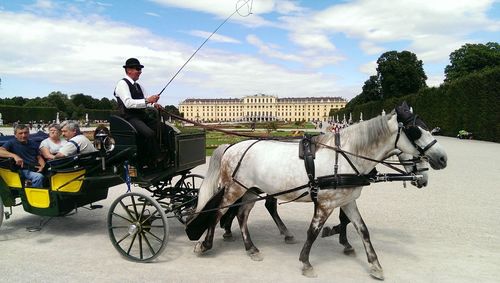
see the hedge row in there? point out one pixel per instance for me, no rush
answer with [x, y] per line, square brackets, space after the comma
[12, 114]
[471, 103]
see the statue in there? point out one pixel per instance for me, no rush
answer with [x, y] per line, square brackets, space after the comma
[361, 116]
[1, 120]
[57, 118]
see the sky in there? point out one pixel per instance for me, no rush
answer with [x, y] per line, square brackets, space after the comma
[276, 47]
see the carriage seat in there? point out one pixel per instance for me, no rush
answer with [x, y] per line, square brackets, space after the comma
[123, 132]
[70, 163]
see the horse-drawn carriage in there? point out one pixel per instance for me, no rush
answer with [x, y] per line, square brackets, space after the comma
[237, 176]
[84, 179]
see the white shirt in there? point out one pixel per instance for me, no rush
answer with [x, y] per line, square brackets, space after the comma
[85, 144]
[53, 147]
[123, 92]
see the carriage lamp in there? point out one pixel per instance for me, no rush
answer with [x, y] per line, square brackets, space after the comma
[104, 144]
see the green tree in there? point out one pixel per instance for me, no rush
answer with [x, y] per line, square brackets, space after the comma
[400, 74]
[58, 100]
[172, 109]
[371, 92]
[472, 58]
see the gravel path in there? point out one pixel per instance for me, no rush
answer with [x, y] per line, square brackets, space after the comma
[446, 232]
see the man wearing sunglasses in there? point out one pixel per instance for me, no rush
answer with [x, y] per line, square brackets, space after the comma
[132, 104]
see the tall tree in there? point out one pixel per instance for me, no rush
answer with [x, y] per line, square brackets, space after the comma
[471, 58]
[400, 74]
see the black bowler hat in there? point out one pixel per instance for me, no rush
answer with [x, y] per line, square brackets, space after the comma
[132, 63]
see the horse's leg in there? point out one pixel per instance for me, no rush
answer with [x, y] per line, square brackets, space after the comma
[344, 221]
[321, 214]
[231, 195]
[351, 210]
[251, 249]
[272, 208]
[202, 247]
[340, 229]
[227, 221]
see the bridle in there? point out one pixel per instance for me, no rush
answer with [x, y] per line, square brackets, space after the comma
[410, 124]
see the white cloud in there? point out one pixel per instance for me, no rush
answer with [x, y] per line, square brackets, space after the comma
[270, 50]
[369, 68]
[215, 37]
[311, 58]
[424, 24]
[371, 48]
[68, 52]
[152, 14]
[435, 81]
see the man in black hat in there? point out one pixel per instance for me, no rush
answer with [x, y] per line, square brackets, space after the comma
[132, 103]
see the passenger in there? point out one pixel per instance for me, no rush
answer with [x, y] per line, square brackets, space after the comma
[132, 103]
[26, 155]
[77, 142]
[50, 146]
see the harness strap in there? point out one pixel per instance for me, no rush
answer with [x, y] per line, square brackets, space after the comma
[423, 150]
[241, 159]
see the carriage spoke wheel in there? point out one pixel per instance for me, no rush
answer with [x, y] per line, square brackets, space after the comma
[188, 187]
[137, 227]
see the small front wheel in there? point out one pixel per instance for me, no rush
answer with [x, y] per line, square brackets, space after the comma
[138, 227]
[187, 195]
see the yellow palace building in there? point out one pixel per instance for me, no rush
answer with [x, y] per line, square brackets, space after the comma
[260, 108]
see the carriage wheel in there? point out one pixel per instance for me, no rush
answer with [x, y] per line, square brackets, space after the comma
[189, 187]
[138, 227]
[1, 211]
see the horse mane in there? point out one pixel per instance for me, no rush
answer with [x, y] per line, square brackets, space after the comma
[360, 135]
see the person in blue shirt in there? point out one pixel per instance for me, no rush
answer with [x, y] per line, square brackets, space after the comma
[26, 155]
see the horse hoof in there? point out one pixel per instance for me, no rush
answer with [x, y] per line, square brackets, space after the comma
[377, 273]
[228, 237]
[290, 240]
[349, 251]
[199, 248]
[256, 256]
[309, 272]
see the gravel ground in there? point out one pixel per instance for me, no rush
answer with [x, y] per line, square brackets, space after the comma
[446, 232]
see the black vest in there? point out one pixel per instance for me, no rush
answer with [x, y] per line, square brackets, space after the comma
[136, 93]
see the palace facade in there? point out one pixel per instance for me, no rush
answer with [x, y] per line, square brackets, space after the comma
[260, 108]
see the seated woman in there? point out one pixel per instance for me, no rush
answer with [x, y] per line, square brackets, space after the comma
[50, 146]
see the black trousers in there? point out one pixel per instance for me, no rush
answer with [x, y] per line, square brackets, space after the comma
[147, 128]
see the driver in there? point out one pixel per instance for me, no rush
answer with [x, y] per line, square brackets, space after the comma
[132, 103]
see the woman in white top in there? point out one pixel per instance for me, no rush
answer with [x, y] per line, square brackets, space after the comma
[51, 145]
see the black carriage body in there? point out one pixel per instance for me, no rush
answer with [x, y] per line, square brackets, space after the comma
[82, 179]
[187, 150]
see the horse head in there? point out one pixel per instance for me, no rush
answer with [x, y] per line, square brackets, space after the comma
[416, 139]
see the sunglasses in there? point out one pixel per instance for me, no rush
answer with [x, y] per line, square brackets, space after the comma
[138, 69]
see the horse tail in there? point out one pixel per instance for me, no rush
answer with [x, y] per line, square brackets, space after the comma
[209, 186]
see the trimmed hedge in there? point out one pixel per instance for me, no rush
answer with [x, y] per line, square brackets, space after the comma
[471, 103]
[11, 114]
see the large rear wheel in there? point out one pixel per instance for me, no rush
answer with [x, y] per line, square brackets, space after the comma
[138, 227]
[187, 197]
